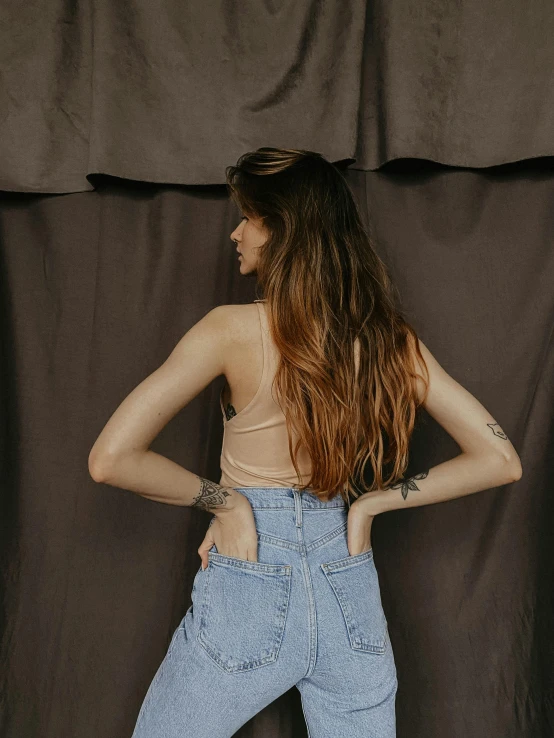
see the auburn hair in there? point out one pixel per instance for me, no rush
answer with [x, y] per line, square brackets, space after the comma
[345, 380]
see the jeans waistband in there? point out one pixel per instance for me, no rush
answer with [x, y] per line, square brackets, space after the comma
[281, 498]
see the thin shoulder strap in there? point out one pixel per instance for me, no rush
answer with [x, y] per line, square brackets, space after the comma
[265, 346]
[263, 326]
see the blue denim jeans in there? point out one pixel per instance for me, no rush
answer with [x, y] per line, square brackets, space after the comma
[306, 614]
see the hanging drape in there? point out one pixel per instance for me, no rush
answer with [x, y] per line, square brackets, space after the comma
[172, 92]
[118, 120]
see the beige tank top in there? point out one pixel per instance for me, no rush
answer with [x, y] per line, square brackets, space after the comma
[255, 445]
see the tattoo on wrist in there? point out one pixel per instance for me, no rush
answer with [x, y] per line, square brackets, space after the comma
[405, 485]
[211, 496]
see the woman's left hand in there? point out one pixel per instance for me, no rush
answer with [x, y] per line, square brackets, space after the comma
[359, 525]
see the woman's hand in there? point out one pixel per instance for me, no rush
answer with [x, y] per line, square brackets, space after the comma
[360, 520]
[234, 533]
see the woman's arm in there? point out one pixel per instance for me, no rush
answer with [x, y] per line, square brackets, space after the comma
[157, 478]
[121, 456]
[488, 458]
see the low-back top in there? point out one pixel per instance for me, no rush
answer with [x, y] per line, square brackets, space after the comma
[255, 445]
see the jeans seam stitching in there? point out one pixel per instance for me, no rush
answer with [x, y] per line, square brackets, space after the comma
[314, 545]
[257, 662]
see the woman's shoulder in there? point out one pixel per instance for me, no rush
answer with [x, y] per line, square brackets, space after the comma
[241, 320]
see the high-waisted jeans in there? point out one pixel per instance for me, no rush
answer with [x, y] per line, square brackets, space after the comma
[306, 614]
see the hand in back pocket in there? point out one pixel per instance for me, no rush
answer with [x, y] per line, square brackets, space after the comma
[233, 532]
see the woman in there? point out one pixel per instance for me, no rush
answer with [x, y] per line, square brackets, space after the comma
[324, 376]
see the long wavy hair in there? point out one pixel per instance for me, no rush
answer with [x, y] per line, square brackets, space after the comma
[345, 379]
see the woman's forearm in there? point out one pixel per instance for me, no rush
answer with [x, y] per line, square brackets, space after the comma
[157, 478]
[462, 475]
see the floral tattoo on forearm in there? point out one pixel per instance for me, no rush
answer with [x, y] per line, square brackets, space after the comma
[211, 495]
[405, 485]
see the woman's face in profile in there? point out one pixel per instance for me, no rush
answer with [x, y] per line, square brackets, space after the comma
[250, 234]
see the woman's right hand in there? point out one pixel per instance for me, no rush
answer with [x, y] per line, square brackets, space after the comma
[234, 533]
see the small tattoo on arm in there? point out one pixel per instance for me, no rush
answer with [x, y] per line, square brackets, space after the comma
[230, 411]
[497, 430]
[405, 485]
[211, 495]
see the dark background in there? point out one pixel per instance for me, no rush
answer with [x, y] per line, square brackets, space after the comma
[117, 122]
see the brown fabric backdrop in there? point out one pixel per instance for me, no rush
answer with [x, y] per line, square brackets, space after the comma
[97, 288]
[118, 119]
[172, 92]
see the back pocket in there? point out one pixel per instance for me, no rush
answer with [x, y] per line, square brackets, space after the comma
[243, 612]
[356, 585]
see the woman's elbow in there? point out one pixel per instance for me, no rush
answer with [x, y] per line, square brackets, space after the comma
[515, 468]
[97, 467]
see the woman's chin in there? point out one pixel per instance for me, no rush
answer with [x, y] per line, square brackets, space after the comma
[245, 268]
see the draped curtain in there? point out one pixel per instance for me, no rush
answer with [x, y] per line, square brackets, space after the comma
[118, 120]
